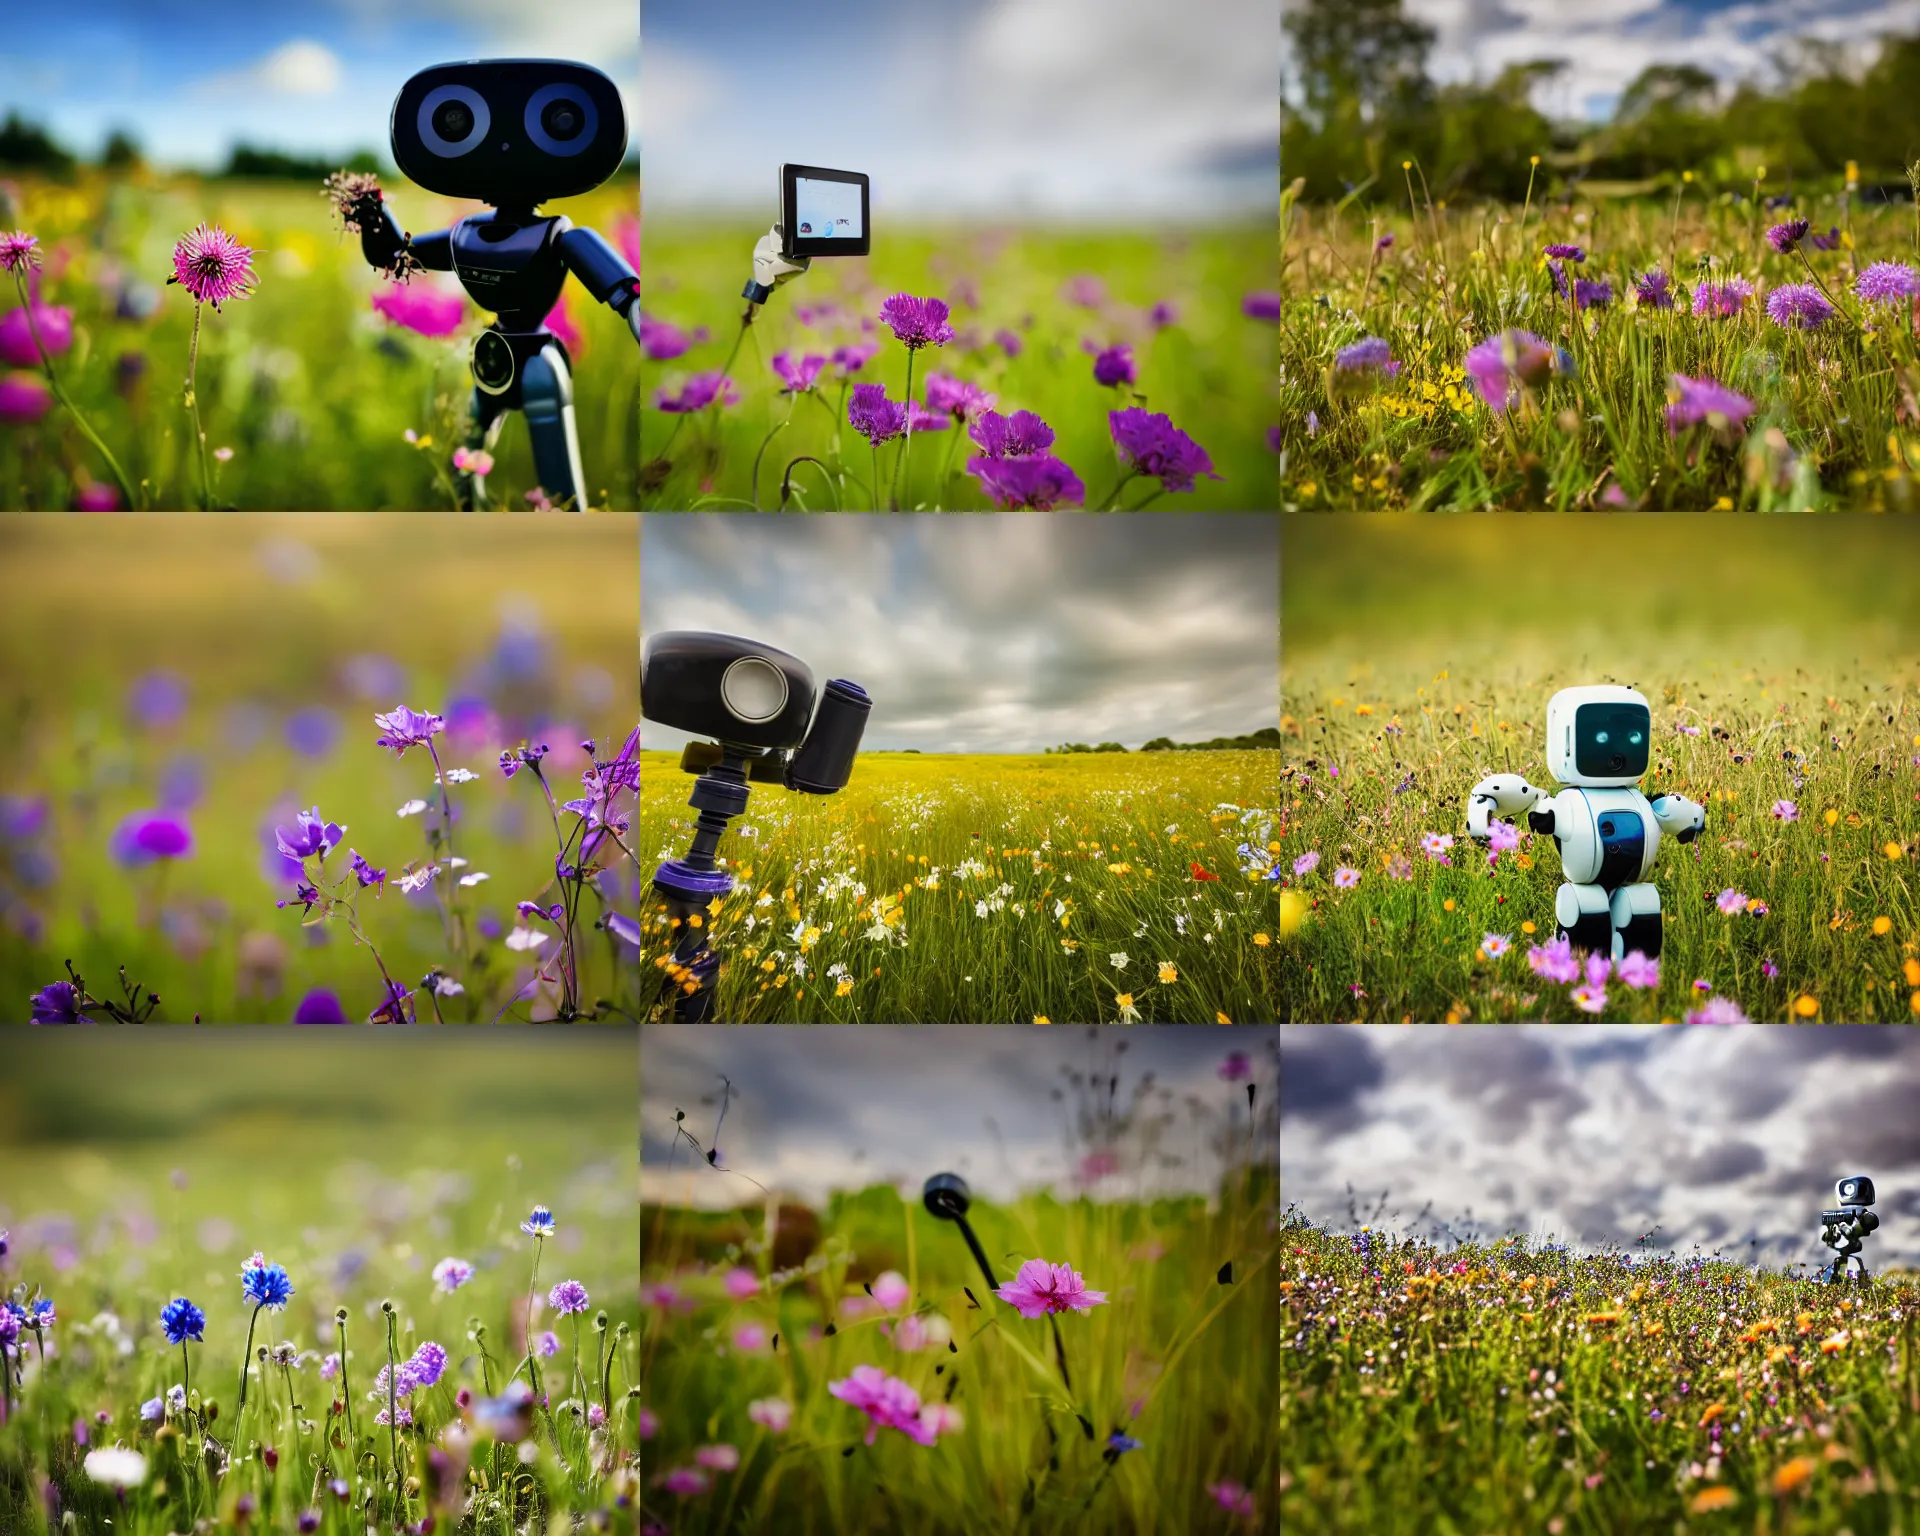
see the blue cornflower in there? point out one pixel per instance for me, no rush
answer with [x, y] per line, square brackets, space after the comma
[34, 1314]
[265, 1285]
[182, 1320]
[1120, 1444]
[539, 1224]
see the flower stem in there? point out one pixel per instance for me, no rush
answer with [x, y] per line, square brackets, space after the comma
[53, 383]
[193, 407]
[393, 1427]
[240, 1413]
[906, 447]
[1113, 496]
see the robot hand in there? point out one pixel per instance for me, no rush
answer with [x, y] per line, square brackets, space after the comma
[1679, 818]
[1504, 794]
[770, 268]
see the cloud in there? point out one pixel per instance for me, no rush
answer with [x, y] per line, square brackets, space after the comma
[300, 67]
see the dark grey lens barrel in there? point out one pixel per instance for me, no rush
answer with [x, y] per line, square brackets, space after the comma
[947, 1195]
[824, 762]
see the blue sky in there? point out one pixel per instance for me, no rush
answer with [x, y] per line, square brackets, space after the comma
[1608, 42]
[318, 76]
[1069, 109]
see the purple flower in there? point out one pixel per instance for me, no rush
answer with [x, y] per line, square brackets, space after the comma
[1731, 901]
[699, 392]
[1722, 301]
[1261, 305]
[212, 266]
[1150, 444]
[1114, 366]
[1692, 401]
[1008, 342]
[850, 360]
[312, 732]
[661, 340]
[1785, 810]
[1637, 971]
[311, 836]
[568, 1297]
[1654, 289]
[1307, 863]
[1592, 294]
[23, 397]
[1163, 314]
[1010, 437]
[916, 322]
[1086, 291]
[1887, 282]
[58, 1002]
[798, 374]
[427, 1364]
[957, 398]
[148, 835]
[158, 699]
[920, 419]
[1368, 355]
[1800, 306]
[365, 873]
[320, 1007]
[1784, 237]
[624, 928]
[1720, 1010]
[875, 417]
[1571, 253]
[53, 325]
[1554, 961]
[17, 251]
[407, 728]
[1037, 482]
[1384, 243]
[1829, 241]
[1501, 365]
[393, 1007]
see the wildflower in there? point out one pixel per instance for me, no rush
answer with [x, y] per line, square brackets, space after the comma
[891, 1290]
[888, 1403]
[116, 1467]
[153, 1410]
[181, 1320]
[1730, 901]
[1128, 1013]
[1637, 971]
[1114, 366]
[1010, 437]
[1784, 238]
[686, 1481]
[1041, 1287]
[741, 1283]
[1150, 444]
[941, 1418]
[471, 461]
[798, 374]
[1261, 306]
[539, 1224]
[1722, 300]
[1554, 961]
[18, 251]
[1654, 289]
[875, 417]
[721, 1458]
[1692, 401]
[34, 329]
[1505, 363]
[1793, 1475]
[1495, 944]
[149, 835]
[1719, 1010]
[450, 1274]
[1806, 1006]
[1345, 878]
[750, 1338]
[916, 322]
[23, 398]
[1169, 974]
[1785, 810]
[1231, 1497]
[212, 266]
[1887, 282]
[418, 878]
[1307, 862]
[568, 1297]
[1894, 851]
[364, 872]
[850, 360]
[1592, 293]
[699, 392]
[1369, 356]
[661, 340]
[265, 1285]
[957, 398]
[1799, 306]
[548, 1344]
[1502, 837]
[1036, 483]
[1590, 999]
[407, 728]
[428, 1363]
[1707, 1500]
[1571, 253]
[1118, 1444]
[1435, 845]
[424, 310]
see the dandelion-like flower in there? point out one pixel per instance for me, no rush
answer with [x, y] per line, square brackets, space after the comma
[568, 1297]
[1784, 238]
[450, 1274]
[1887, 282]
[1654, 290]
[539, 1224]
[1041, 1287]
[1691, 401]
[403, 728]
[212, 266]
[18, 251]
[1799, 306]
[1722, 301]
[917, 322]
[181, 1320]
[265, 1285]
[887, 1401]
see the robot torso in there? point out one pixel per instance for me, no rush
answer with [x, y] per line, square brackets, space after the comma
[1607, 837]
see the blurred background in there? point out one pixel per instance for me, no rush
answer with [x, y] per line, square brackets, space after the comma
[1726, 1140]
[225, 675]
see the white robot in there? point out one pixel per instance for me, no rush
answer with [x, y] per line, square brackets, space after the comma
[1599, 741]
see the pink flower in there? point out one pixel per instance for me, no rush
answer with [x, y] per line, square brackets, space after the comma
[561, 322]
[721, 1458]
[910, 1333]
[891, 1291]
[741, 1283]
[97, 496]
[1231, 1497]
[660, 1294]
[23, 398]
[686, 1481]
[775, 1413]
[1502, 836]
[750, 1338]
[17, 251]
[1721, 1010]
[887, 1401]
[647, 1424]
[1599, 968]
[1785, 810]
[212, 266]
[1435, 845]
[473, 461]
[1236, 1068]
[1731, 901]
[421, 308]
[1590, 999]
[54, 324]
[942, 1419]
[1495, 944]
[1041, 1287]
[1637, 971]
[1554, 961]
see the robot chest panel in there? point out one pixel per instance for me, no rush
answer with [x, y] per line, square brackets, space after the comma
[1608, 837]
[507, 266]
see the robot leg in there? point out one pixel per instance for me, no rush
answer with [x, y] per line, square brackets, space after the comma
[1635, 911]
[486, 415]
[1584, 917]
[546, 390]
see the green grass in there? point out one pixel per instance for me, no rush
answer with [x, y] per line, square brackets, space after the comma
[310, 388]
[89, 605]
[1074, 849]
[1211, 371]
[1420, 658]
[1491, 1386]
[146, 1166]
[1833, 424]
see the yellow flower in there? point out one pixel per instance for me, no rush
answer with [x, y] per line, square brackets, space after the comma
[1220, 1018]
[1262, 940]
[1913, 973]
[1794, 1475]
[1806, 1006]
[1447, 905]
[1293, 912]
[1882, 926]
[1168, 974]
[1363, 709]
[1834, 1343]
[1894, 851]
[844, 988]
[1527, 928]
[1128, 1013]
[1724, 504]
[1831, 816]
[1707, 1500]
[1041, 1018]
[1913, 1005]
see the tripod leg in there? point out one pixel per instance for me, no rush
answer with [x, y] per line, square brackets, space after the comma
[486, 414]
[546, 390]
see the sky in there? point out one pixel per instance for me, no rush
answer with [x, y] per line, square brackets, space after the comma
[995, 632]
[993, 109]
[1608, 42]
[312, 76]
[816, 1108]
[1593, 1134]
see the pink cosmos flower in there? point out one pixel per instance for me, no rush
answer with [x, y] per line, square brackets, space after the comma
[891, 1290]
[1041, 1287]
[750, 1338]
[741, 1283]
[473, 461]
[1637, 971]
[1554, 961]
[1598, 969]
[1721, 1010]
[1590, 999]
[887, 1401]
[1503, 836]
[774, 1413]
[721, 1458]
[1731, 901]
[911, 1334]
[421, 308]
[212, 266]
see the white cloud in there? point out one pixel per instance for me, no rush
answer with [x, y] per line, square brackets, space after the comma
[301, 67]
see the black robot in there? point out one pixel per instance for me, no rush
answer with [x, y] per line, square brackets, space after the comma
[1846, 1229]
[511, 133]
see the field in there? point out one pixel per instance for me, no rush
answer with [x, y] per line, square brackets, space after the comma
[1826, 418]
[1209, 368]
[1497, 1386]
[1786, 701]
[311, 389]
[145, 1167]
[1159, 1421]
[990, 890]
[222, 676]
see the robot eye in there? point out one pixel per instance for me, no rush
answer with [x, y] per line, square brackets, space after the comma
[453, 120]
[1600, 736]
[1635, 739]
[562, 119]
[753, 689]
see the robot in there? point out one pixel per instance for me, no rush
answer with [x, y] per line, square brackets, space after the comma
[1598, 745]
[512, 133]
[759, 704]
[1846, 1229]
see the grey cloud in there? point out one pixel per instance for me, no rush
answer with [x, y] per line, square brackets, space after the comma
[1324, 1071]
[1722, 1164]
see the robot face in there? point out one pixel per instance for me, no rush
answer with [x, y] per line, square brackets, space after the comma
[509, 132]
[1599, 736]
[1856, 1190]
[726, 688]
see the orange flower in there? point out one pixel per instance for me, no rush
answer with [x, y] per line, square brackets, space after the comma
[1793, 1476]
[1882, 926]
[1834, 1343]
[1913, 973]
[1707, 1500]
[1603, 1317]
[1714, 1410]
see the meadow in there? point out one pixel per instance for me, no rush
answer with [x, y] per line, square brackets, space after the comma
[1786, 701]
[219, 679]
[1814, 407]
[1079, 888]
[306, 392]
[1149, 1410]
[1031, 311]
[1498, 1385]
[394, 1173]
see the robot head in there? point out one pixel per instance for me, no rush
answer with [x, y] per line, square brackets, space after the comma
[509, 132]
[1855, 1189]
[1599, 736]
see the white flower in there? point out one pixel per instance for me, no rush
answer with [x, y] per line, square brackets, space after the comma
[412, 808]
[765, 901]
[419, 879]
[446, 986]
[456, 863]
[979, 909]
[457, 776]
[117, 1467]
[799, 965]
[527, 938]
[1117, 960]
[475, 878]
[1129, 1014]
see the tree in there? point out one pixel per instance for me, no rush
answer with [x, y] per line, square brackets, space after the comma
[28, 146]
[122, 151]
[1680, 87]
[1367, 52]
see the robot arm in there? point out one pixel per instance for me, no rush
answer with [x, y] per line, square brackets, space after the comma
[385, 246]
[603, 272]
[770, 268]
[1679, 817]
[1500, 794]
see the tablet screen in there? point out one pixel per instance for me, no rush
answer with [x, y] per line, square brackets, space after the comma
[825, 210]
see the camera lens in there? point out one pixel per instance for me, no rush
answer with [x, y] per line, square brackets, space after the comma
[454, 120]
[493, 365]
[563, 119]
[1619, 762]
